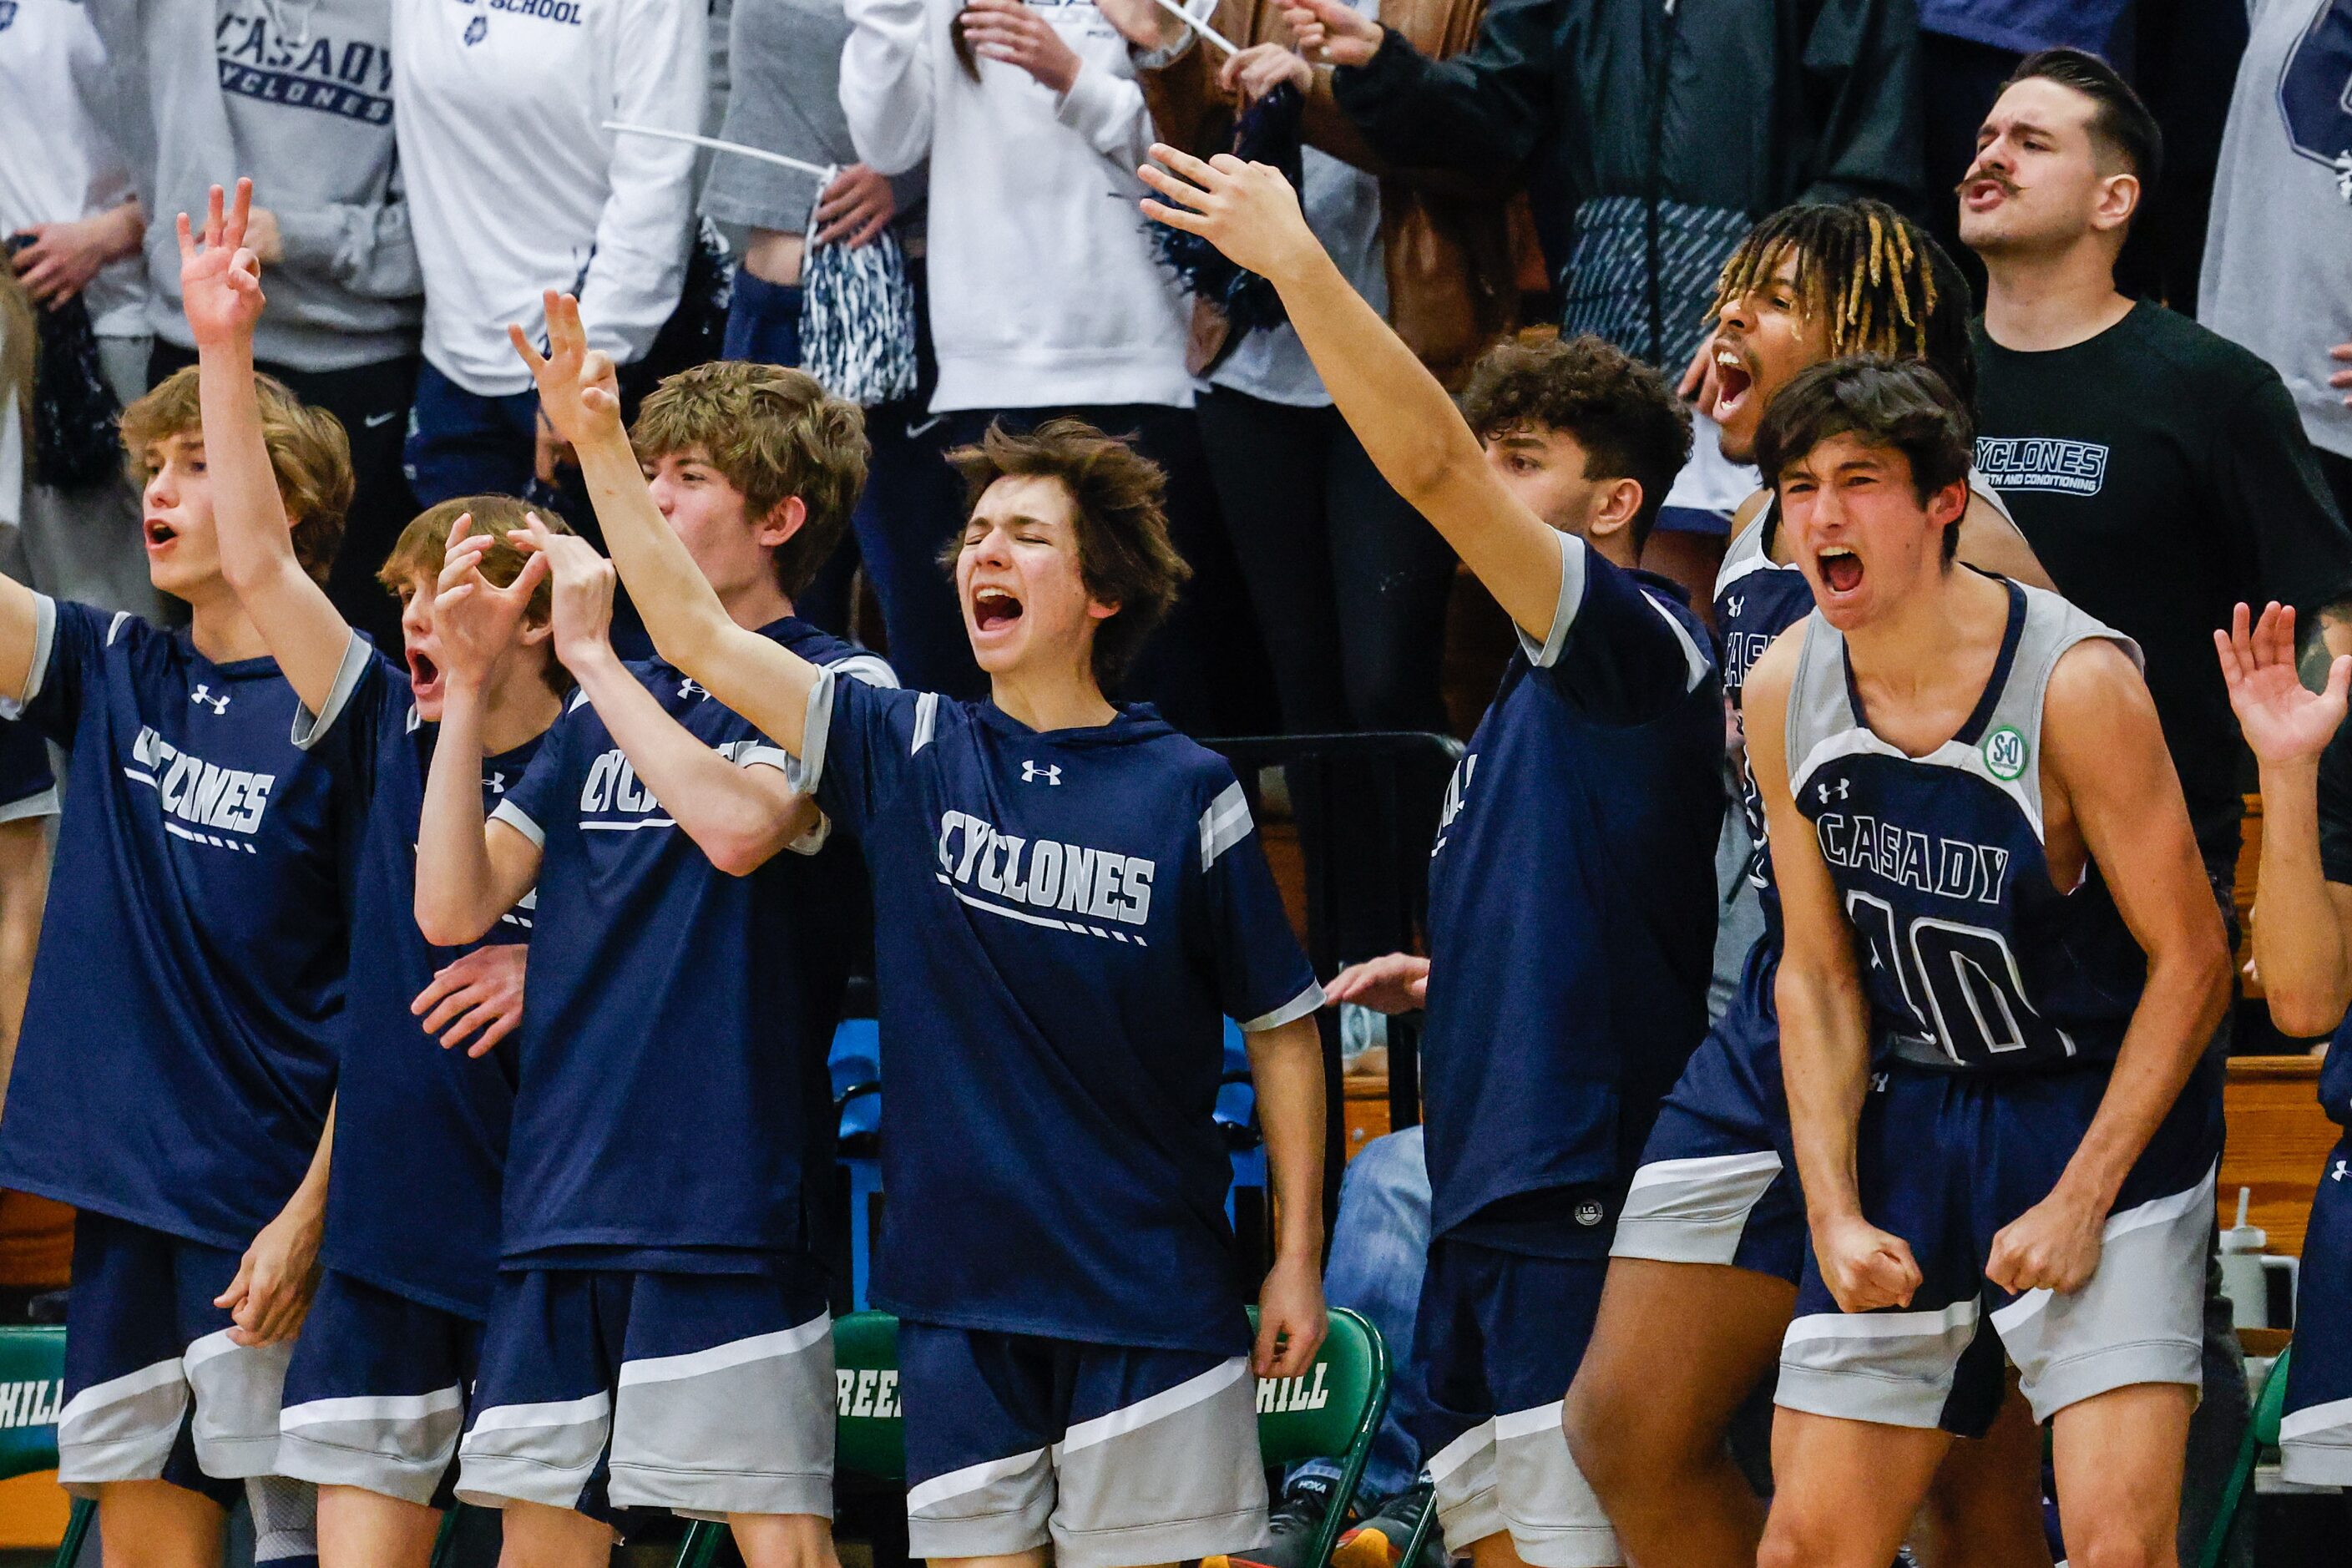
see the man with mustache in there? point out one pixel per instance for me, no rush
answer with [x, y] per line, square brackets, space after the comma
[2158, 470]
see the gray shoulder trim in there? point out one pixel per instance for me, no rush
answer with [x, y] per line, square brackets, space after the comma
[1694, 663]
[309, 730]
[807, 771]
[1225, 824]
[1545, 654]
[514, 816]
[44, 804]
[1745, 554]
[1819, 711]
[1298, 1008]
[45, 643]
[116, 625]
[927, 721]
[579, 700]
[870, 667]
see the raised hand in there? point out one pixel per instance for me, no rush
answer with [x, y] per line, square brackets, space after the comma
[2284, 722]
[474, 620]
[1012, 32]
[1332, 32]
[579, 395]
[1246, 210]
[583, 594]
[220, 283]
[1260, 69]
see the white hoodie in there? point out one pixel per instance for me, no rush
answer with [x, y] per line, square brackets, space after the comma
[514, 186]
[1043, 287]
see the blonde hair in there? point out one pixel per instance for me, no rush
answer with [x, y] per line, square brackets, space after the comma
[419, 551]
[310, 455]
[775, 434]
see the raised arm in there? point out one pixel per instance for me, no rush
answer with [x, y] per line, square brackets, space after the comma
[469, 872]
[1406, 420]
[750, 674]
[737, 815]
[2303, 925]
[1825, 1016]
[220, 285]
[2104, 752]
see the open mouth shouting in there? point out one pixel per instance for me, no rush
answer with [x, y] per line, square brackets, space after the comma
[160, 534]
[1735, 381]
[1841, 570]
[993, 609]
[423, 674]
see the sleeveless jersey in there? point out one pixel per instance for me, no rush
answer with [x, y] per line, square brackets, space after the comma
[1973, 960]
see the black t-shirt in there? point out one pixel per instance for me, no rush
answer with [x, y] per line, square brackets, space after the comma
[2161, 472]
[2335, 807]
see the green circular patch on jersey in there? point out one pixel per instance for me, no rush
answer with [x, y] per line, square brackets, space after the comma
[2005, 753]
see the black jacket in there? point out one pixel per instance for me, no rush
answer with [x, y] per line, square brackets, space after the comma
[1685, 119]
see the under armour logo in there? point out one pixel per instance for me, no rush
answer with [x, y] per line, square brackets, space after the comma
[498, 783]
[203, 694]
[690, 688]
[2337, 1174]
[1736, 602]
[1878, 1083]
[1823, 790]
[1031, 773]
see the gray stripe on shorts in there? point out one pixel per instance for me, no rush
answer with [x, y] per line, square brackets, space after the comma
[1894, 1368]
[1693, 1210]
[2316, 1445]
[122, 1429]
[1555, 1520]
[396, 1445]
[742, 1427]
[2140, 1317]
[1168, 1478]
[540, 1453]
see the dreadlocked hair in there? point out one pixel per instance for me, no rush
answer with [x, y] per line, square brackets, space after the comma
[1882, 283]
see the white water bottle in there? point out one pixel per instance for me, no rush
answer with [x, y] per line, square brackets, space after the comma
[2242, 1277]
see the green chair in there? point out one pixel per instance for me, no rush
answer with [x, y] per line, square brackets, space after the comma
[32, 1387]
[2262, 1433]
[1332, 1412]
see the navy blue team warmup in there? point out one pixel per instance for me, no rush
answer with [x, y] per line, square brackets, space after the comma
[376, 1394]
[2315, 1436]
[201, 884]
[1062, 921]
[1571, 926]
[658, 1334]
[1717, 1182]
[1997, 1004]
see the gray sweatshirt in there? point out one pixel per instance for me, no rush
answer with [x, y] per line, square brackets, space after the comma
[784, 62]
[301, 102]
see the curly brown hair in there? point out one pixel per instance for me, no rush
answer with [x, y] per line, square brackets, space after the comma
[775, 433]
[309, 454]
[1118, 499]
[1629, 422]
[419, 551]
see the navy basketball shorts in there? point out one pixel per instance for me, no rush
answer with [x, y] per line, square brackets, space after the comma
[375, 1397]
[1717, 1182]
[154, 1388]
[708, 1394]
[2316, 1437]
[1945, 1160]
[1499, 1336]
[1112, 1456]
